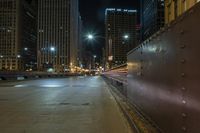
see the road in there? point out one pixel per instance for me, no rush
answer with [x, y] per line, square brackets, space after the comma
[70, 105]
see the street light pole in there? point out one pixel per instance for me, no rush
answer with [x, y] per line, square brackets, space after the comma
[110, 54]
[52, 50]
[94, 60]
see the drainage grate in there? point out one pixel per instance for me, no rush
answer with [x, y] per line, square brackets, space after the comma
[3, 100]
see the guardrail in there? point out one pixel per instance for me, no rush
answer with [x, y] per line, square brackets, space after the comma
[32, 75]
[117, 76]
[164, 75]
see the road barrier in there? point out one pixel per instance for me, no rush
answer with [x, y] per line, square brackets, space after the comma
[33, 75]
[118, 78]
[164, 75]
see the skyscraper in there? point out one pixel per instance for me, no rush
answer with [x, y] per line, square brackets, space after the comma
[177, 7]
[18, 34]
[80, 43]
[151, 17]
[121, 37]
[58, 22]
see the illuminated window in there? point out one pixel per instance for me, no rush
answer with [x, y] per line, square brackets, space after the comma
[185, 5]
[175, 9]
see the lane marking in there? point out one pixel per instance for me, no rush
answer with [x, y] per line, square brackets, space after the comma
[20, 86]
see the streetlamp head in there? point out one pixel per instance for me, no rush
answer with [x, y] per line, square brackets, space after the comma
[52, 49]
[90, 37]
[95, 56]
[25, 49]
[18, 56]
[126, 36]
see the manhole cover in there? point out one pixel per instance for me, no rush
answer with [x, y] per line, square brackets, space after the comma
[86, 104]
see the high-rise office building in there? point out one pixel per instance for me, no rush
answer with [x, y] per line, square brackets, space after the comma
[18, 34]
[151, 17]
[174, 8]
[58, 22]
[80, 43]
[121, 37]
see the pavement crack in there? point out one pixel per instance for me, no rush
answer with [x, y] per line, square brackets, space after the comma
[64, 103]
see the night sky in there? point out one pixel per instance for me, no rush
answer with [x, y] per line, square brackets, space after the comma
[93, 13]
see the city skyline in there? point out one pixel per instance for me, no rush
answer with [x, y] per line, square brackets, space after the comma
[58, 34]
[61, 31]
[99, 66]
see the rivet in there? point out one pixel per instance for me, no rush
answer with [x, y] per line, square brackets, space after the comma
[183, 101]
[184, 115]
[182, 46]
[183, 75]
[183, 61]
[183, 128]
[183, 88]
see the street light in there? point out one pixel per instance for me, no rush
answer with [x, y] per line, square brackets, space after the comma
[126, 37]
[94, 60]
[25, 49]
[52, 49]
[90, 36]
[18, 56]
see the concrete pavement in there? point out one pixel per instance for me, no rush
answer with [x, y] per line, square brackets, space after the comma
[70, 105]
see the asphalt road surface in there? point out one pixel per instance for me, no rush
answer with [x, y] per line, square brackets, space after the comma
[70, 105]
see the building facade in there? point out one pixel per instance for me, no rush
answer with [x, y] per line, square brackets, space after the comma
[151, 17]
[18, 34]
[58, 22]
[120, 25]
[80, 43]
[174, 8]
